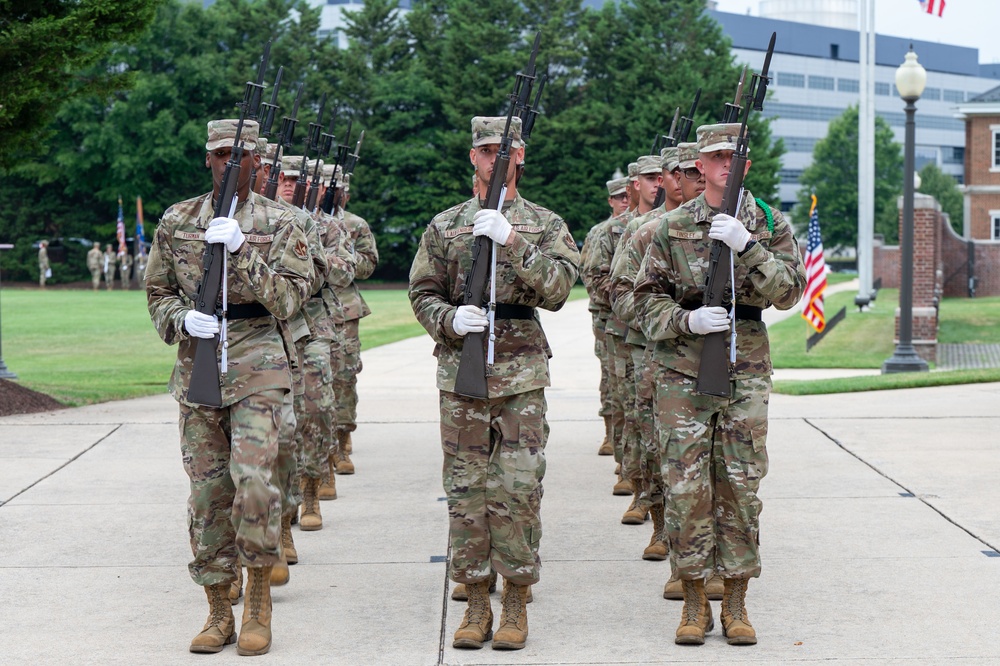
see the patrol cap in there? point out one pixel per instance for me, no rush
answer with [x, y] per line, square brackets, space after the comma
[687, 153]
[222, 133]
[346, 184]
[489, 129]
[633, 171]
[291, 165]
[617, 186]
[668, 158]
[649, 164]
[722, 136]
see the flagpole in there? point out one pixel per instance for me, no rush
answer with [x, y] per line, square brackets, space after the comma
[866, 153]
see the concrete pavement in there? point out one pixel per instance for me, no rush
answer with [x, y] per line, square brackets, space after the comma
[879, 535]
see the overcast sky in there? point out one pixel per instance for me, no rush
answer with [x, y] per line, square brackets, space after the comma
[972, 23]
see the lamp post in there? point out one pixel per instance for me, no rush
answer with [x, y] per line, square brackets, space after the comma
[910, 81]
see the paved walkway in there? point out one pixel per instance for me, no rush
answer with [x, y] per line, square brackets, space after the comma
[879, 535]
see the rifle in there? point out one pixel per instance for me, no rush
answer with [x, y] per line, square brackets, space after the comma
[330, 200]
[205, 386]
[299, 196]
[731, 114]
[688, 120]
[713, 372]
[473, 369]
[660, 142]
[285, 136]
[267, 120]
[317, 141]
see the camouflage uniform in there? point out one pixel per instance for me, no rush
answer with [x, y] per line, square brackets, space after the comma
[43, 265]
[94, 260]
[125, 270]
[237, 442]
[494, 448]
[108, 267]
[362, 245]
[713, 448]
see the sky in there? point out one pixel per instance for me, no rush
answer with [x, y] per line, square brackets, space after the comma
[972, 23]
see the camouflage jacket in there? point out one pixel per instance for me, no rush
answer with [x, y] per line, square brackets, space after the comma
[343, 264]
[109, 259]
[362, 245]
[537, 268]
[672, 277]
[43, 258]
[595, 261]
[273, 267]
[619, 285]
[94, 259]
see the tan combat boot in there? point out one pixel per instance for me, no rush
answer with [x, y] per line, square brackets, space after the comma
[460, 593]
[673, 589]
[607, 448]
[623, 486]
[513, 631]
[236, 587]
[735, 621]
[279, 572]
[657, 549]
[255, 634]
[696, 617]
[310, 519]
[328, 482]
[220, 628]
[344, 464]
[287, 544]
[714, 587]
[477, 625]
[634, 515]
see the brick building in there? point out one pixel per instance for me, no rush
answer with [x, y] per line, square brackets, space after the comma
[982, 166]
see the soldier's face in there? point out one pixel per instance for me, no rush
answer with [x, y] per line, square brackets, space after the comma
[216, 161]
[483, 158]
[618, 203]
[648, 184]
[692, 182]
[262, 176]
[672, 188]
[286, 187]
[715, 166]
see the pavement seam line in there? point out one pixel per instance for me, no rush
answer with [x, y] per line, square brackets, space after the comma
[37, 481]
[913, 495]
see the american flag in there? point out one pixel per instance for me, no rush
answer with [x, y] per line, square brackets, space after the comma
[933, 6]
[122, 248]
[815, 273]
[140, 235]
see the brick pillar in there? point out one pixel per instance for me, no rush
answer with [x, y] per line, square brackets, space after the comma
[927, 274]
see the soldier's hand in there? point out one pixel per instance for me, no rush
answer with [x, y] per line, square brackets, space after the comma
[708, 319]
[469, 319]
[200, 325]
[730, 231]
[493, 224]
[225, 230]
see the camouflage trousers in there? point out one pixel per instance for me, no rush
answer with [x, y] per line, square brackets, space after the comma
[316, 416]
[617, 372]
[601, 352]
[286, 466]
[234, 507]
[714, 458]
[109, 279]
[494, 462]
[642, 452]
[95, 277]
[126, 275]
[345, 383]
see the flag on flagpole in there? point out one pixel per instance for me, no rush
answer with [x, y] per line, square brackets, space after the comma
[122, 247]
[815, 273]
[140, 235]
[933, 6]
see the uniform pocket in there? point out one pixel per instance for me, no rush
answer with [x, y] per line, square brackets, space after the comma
[449, 438]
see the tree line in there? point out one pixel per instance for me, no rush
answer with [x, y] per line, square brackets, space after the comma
[412, 81]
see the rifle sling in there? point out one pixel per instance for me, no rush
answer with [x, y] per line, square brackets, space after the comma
[510, 311]
[246, 311]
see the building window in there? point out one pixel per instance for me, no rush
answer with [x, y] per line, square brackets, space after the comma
[791, 80]
[848, 85]
[931, 93]
[995, 225]
[821, 82]
[882, 89]
[953, 155]
[954, 96]
[996, 148]
[834, 52]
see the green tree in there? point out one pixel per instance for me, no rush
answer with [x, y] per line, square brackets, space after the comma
[45, 48]
[833, 178]
[944, 188]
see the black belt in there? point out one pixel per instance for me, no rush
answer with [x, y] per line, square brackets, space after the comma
[509, 311]
[246, 311]
[745, 312]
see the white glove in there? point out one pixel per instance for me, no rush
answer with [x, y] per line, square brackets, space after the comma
[469, 319]
[730, 231]
[493, 224]
[708, 319]
[200, 325]
[225, 230]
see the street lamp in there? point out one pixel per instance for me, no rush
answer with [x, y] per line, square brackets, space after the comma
[910, 81]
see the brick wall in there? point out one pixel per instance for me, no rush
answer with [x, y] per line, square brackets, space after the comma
[955, 260]
[982, 184]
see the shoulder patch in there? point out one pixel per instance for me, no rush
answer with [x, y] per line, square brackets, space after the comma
[301, 249]
[190, 235]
